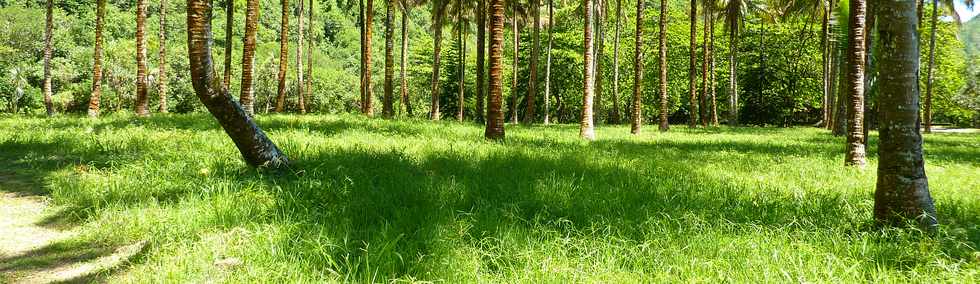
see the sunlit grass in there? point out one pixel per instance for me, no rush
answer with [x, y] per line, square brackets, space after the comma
[372, 200]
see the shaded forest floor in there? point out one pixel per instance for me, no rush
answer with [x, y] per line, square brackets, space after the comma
[373, 200]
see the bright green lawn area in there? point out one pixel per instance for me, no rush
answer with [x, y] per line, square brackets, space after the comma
[376, 200]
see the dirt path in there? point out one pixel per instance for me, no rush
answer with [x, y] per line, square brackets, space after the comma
[32, 252]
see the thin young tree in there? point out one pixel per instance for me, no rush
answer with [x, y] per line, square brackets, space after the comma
[547, 75]
[614, 116]
[387, 107]
[96, 98]
[535, 53]
[308, 78]
[516, 13]
[48, 27]
[246, 97]
[254, 145]
[855, 77]
[438, 15]
[283, 56]
[692, 69]
[162, 65]
[495, 115]
[734, 13]
[664, 125]
[406, 107]
[902, 190]
[142, 101]
[481, 49]
[636, 116]
[599, 50]
[586, 125]
[711, 59]
[229, 34]
[703, 99]
[367, 102]
[300, 80]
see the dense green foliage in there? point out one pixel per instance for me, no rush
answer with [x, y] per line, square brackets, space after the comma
[414, 200]
[779, 59]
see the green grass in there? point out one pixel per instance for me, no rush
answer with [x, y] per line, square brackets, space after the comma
[375, 200]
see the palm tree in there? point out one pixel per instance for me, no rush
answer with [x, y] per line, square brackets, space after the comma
[48, 25]
[162, 68]
[586, 128]
[461, 14]
[703, 101]
[309, 64]
[283, 56]
[229, 28]
[438, 15]
[518, 12]
[664, 125]
[614, 115]
[948, 5]
[253, 144]
[535, 51]
[547, 81]
[902, 190]
[141, 99]
[406, 6]
[95, 99]
[495, 116]
[637, 114]
[855, 77]
[300, 81]
[387, 110]
[248, 56]
[368, 101]
[692, 71]
[481, 45]
[599, 48]
[711, 54]
[734, 14]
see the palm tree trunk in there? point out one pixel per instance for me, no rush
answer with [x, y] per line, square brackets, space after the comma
[462, 68]
[308, 83]
[824, 59]
[360, 25]
[855, 77]
[495, 117]
[692, 69]
[481, 45]
[229, 28]
[141, 100]
[48, 25]
[586, 128]
[636, 116]
[840, 124]
[246, 97]
[869, 73]
[513, 77]
[434, 113]
[711, 52]
[300, 81]
[253, 144]
[95, 99]
[600, 21]
[732, 77]
[387, 109]
[703, 100]
[283, 56]
[368, 31]
[902, 190]
[406, 104]
[930, 73]
[162, 68]
[535, 53]
[547, 68]
[614, 117]
[664, 125]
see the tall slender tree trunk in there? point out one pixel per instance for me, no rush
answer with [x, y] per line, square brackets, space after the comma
[835, 61]
[732, 76]
[535, 54]
[434, 113]
[308, 81]
[692, 69]
[930, 73]
[586, 126]
[614, 116]
[460, 102]
[253, 144]
[229, 33]
[406, 103]
[368, 32]
[600, 22]
[387, 108]
[831, 58]
[547, 81]
[283, 56]
[855, 76]
[481, 47]
[664, 125]
[300, 80]
[495, 116]
[824, 59]
[703, 100]
[162, 68]
[636, 116]
[142, 108]
[360, 25]
[513, 78]
[713, 79]
[247, 95]
[840, 125]
[902, 190]
[869, 68]
[48, 26]
[96, 98]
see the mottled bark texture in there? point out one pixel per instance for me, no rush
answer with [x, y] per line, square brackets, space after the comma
[547, 72]
[481, 57]
[162, 65]
[142, 101]
[229, 34]
[406, 103]
[692, 68]
[387, 107]
[495, 116]
[529, 114]
[434, 113]
[586, 126]
[664, 125]
[48, 26]
[636, 115]
[247, 95]
[283, 56]
[96, 99]
[614, 115]
[855, 91]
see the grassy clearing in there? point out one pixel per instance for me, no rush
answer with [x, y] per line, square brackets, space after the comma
[376, 200]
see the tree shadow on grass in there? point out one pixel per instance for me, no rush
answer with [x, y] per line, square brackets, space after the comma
[70, 262]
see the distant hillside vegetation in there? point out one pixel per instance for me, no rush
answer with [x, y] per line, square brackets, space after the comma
[970, 33]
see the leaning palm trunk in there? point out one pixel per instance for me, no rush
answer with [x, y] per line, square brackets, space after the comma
[636, 116]
[229, 27]
[614, 115]
[142, 108]
[95, 100]
[586, 128]
[246, 97]
[930, 71]
[692, 69]
[855, 77]
[48, 25]
[664, 126]
[495, 116]
[387, 109]
[162, 68]
[253, 144]
[283, 56]
[902, 190]
[547, 68]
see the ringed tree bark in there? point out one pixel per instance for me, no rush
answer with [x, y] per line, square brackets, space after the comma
[855, 91]
[586, 125]
[162, 68]
[387, 109]
[95, 99]
[368, 102]
[664, 125]
[142, 101]
[637, 113]
[48, 26]
[283, 56]
[254, 145]
[495, 116]
[614, 115]
[902, 190]
[246, 97]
